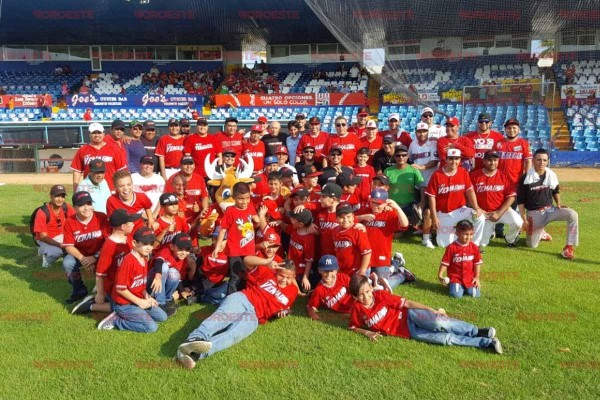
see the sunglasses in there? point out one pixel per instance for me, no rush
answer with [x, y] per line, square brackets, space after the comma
[339, 125]
[335, 155]
[315, 123]
[484, 122]
[362, 115]
[427, 115]
[228, 156]
[308, 151]
[401, 155]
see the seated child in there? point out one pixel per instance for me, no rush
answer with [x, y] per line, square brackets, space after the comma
[384, 313]
[213, 271]
[332, 291]
[351, 243]
[301, 249]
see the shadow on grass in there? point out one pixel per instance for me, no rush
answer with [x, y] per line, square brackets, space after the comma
[169, 348]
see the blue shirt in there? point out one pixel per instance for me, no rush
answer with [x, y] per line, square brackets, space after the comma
[135, 151]
[100, 193]
[292, 145]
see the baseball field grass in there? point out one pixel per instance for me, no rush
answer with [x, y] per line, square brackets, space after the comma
[546, 311]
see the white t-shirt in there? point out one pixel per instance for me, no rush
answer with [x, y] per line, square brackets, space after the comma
[153, 186]
[421, 155]
[436, 132]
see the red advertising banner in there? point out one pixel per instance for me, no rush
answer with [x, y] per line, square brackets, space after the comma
[20, 100]
[290, 100]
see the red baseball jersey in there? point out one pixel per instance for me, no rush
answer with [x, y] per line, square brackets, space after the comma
[350, 246]
[317, 142]
[358, 131]
[234, 142]
[166, 256]
[336, 298]
[258, 273]
[111, 257]
[240, 231]
[213, 269]
[367, 173]
[180, 226]
[267, 297]
[349, 144]
[139, 203]
[111, 155]
[195, 189]
[86, 236]
[464, 144]
[491, 191]
[512, 155]
[461, 259]
[199, 147]
[119, 145]
[131, 275]
[388, 315]
[373, 146]
[381, 233]
[301, 250]
[171, 149]
[54, 226]
[256, 152]
[402, 137]
[449, 190]
[327, 223]
[483, 143]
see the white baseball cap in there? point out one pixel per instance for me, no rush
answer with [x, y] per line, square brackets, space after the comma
[422, 126]
[371, 124]
[395, 116]
[96, 127]
[453, 153]
[426, 109]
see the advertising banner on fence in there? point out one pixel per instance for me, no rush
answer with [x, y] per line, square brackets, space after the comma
[289, 100]
[20, 100]
[579, 91]
[131, 100]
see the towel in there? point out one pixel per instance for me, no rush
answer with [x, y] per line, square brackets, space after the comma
[551, 180]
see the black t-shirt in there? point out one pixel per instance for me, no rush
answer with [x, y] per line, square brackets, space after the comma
[329, 175]
[272, 142]
[535, 195]
[381, 160]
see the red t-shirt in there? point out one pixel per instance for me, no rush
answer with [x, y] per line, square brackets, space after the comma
[131, 275]
[55, 226]
[350, 245]
[240, 231]
[317, 142]
[171, 149]
[195, 191]
[483, 143]
[166, 255]
[461, 259]
[491, 191]
[449, 190]
[464, 144]
[401, 137]
[327, 223]
[335, 298]
[111, 155]
[358, 131]
[214, 269]
[301, 250]
[86, 237]
[256, 275]
[119, 145]
[256, 152]
[199, 147]
[234, 142]
[180, 226]
[512, 155]
[139, 203]
[349, 144]
[381, 233]
[111, 257]
[388, 315]
[267, 297]
[373, 146]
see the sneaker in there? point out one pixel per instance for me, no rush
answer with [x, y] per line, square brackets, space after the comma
[170, 311]
[428, 244]
[496, 345]
[385, 284]
[374, 279]
[191, 300]
[75, 298]
[481, 249]
[108, 322]
[187, 360]
[45, 263]
[85, 306]
[511, 245]
[568, 253]
[195, 346]
[486, 332]
[409, 276]
[546, 237]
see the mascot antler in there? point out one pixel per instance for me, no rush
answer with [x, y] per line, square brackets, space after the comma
[245, 169]
[211, 168]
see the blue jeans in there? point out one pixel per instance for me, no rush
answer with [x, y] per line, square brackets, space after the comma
[214, 295]
[429, 327]
[232, 322]
[170, 280]
[457, 290]
[393, 279]
[71, 266]
[133, 318]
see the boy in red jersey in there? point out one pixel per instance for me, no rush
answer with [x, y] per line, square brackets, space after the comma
[382, 313]
[169, 150]
[129, 200]
[84, 234]
[301, 248]
[352, 246]
[213, 271]
[240, 313]
[254, 148]
[326, 219]
[463, 262]
[331, 292]
[134, 309]
[169, 224]
[364, 171]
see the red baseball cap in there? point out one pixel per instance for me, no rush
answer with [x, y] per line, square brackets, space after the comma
[256, 128]
[263, 119]
[274, 238]
[452, 121]
[281, 149]
[272, 208]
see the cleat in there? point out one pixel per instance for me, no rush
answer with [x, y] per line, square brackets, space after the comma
[85, 306]
[108, 322]
[568, 253]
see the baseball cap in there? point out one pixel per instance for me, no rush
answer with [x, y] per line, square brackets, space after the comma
[512, 121]
[182, 241]
[135, 122]
[303, 216]
[422, 126]
[274, 238]
[389, 139]
[173, 121]
[484, 116]
[184, 122]
[272, 208]
[363, 150]
[57, 189]
[286, 172]
[308, 171]
[308, 146]
[187, 160]
[144, 235]
[343, 208]
[378, 195]
[395, 116]
[382, 178]
[453, 153]
[336, 148]
[231, 119]
[256, 128]
[347, 179]
[81, 198]
[149, 124]
[314, 120]
[117, 123]
[281, 149]
[300, 191]
[168, 199]
[97, 165]
[426, 110]
[229, 150]
[332, 190]
[371, 124]
[262, 118]
[452, 121]
[147, 160]
[401, 147]
[201, 121]
[96, 126]
[362, 111]
[120, 216]
[328, 263]
[491, 154]
[270, 160]
[300, 116]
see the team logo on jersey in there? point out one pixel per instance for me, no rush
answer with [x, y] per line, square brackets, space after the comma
[247, 230]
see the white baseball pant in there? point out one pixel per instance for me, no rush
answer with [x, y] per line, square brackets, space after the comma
[510, 218]
[538, 219]
[446, 233]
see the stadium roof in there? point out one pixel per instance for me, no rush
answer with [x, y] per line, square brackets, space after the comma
[230, 22]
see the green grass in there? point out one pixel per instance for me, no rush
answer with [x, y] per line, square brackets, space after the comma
[544, 308]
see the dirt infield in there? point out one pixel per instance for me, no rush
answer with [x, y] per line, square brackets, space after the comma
[564, 175]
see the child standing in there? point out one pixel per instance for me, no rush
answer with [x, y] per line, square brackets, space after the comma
[462, 260]
[352, 246]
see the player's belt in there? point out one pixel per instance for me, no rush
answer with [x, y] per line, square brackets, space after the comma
[542, 209]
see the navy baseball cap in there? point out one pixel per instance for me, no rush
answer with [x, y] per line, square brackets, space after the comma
[331, 190]
[81, 198]
[144, 235]
[270, 160]
[182, 241]
[344, 208]
[328, 263]
[379, 195]
[347, 179]
[173, 121]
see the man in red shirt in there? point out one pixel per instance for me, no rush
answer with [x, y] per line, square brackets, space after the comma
[115, 137]
[314, 138]
[372, 141]
[348, 142]
[201, 144]
[231, 138]
[495, 195]
[97, 149]
[484, 138]
[195, 190]
[254, 148]
[453, 141]
[448, 190]
[394, 130]
[358, 128]
[169, 150]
